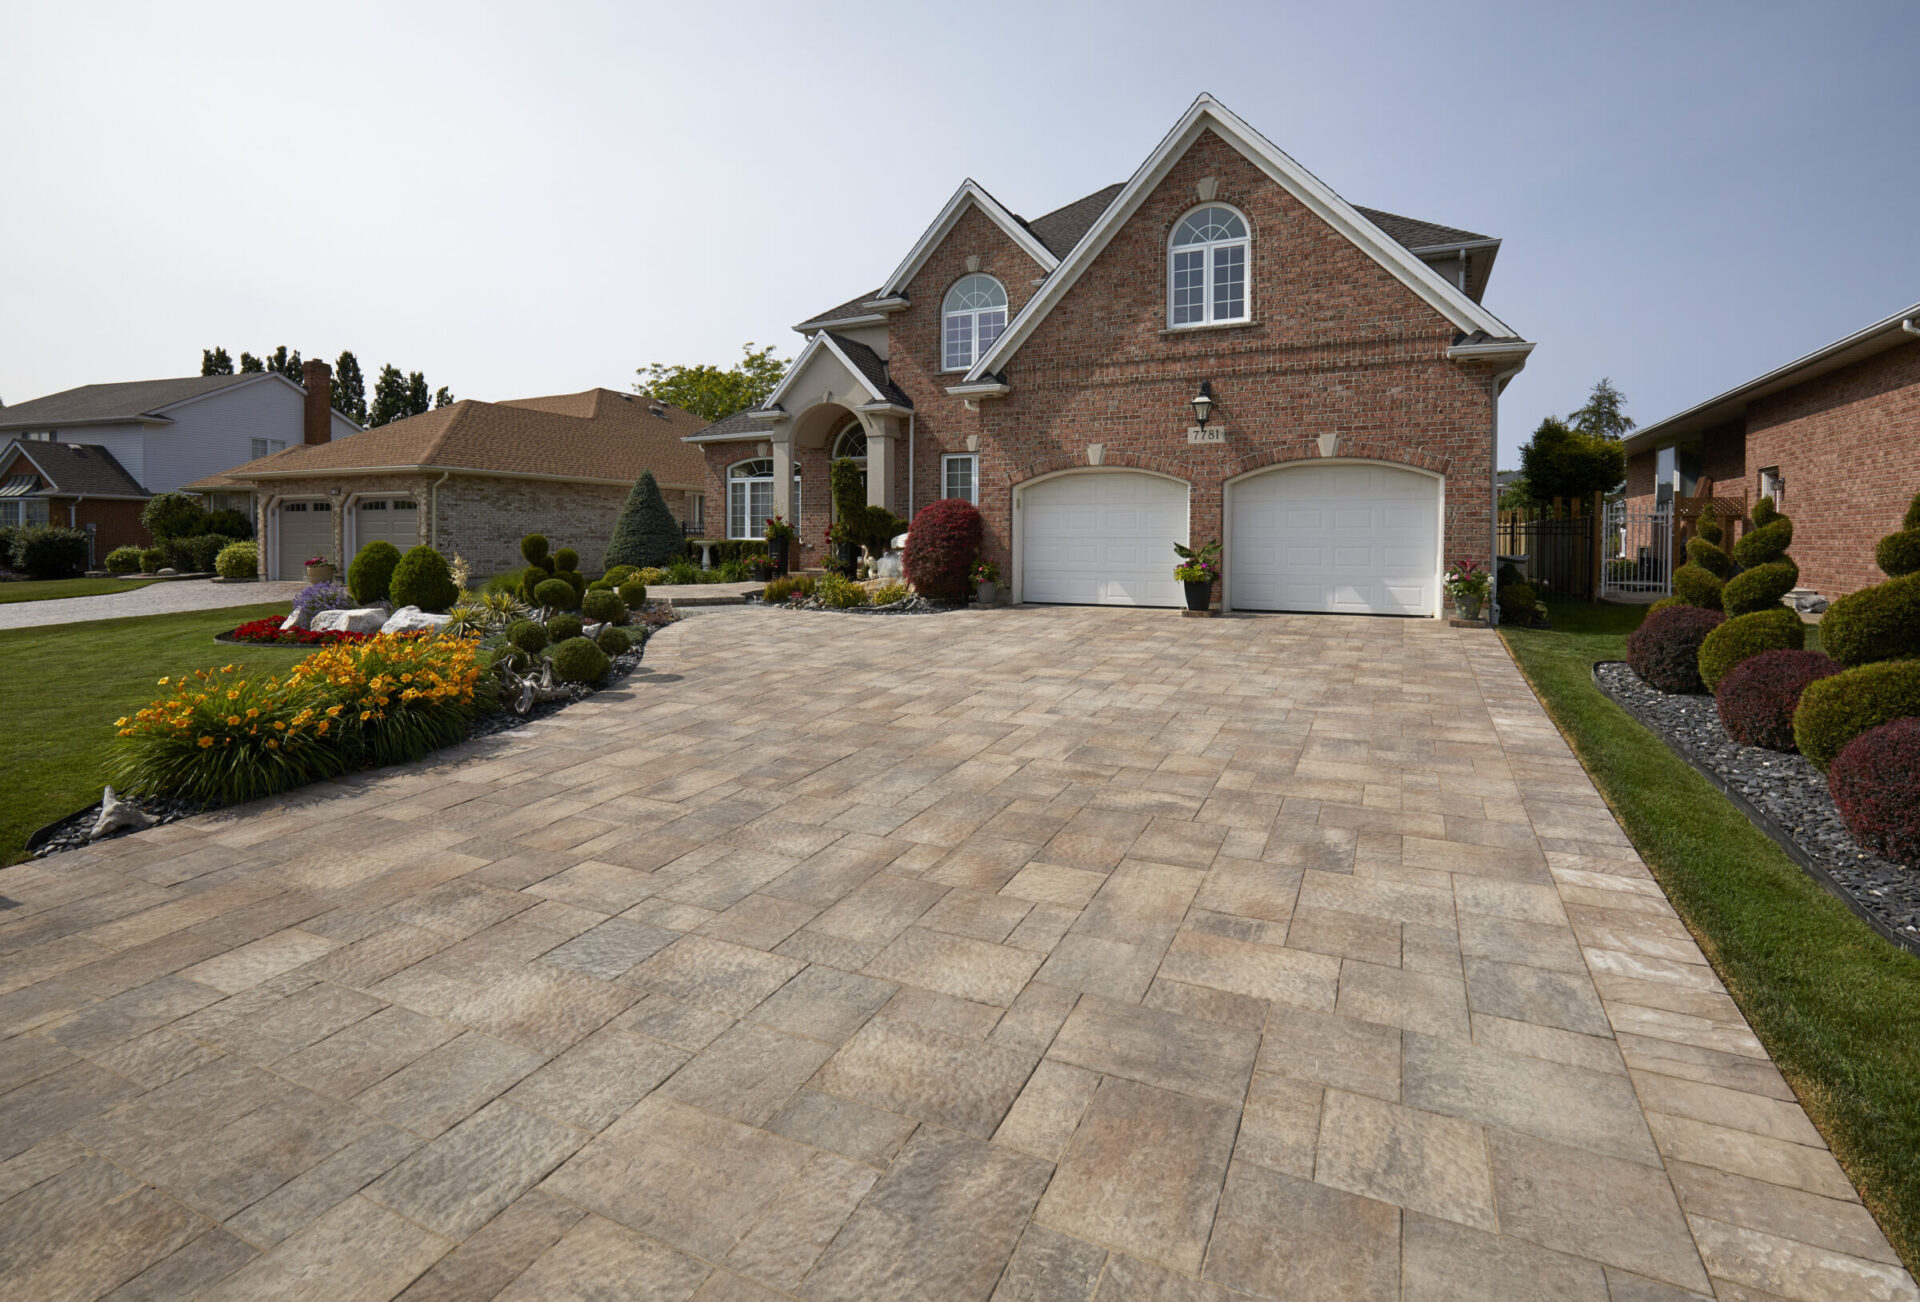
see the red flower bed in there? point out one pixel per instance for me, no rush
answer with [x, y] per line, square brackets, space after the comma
[269, 630]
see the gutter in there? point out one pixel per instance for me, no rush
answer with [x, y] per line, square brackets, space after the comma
[351, 471]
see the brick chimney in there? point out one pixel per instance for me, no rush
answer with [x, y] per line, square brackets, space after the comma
[318, 377]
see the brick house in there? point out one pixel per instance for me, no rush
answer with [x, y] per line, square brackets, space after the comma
[1833, 437]
[473, 479]
[1047, 371]
[79, 485]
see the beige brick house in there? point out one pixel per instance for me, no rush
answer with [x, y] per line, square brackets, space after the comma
[472, 479]
[1048, 370]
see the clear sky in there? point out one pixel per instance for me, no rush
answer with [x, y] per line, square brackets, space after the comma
[523, 199]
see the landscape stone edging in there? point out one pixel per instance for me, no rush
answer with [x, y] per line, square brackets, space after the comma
[1758, 817]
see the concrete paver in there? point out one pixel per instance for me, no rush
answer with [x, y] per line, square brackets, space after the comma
[1033, 953]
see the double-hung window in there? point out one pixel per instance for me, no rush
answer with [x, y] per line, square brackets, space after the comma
[973, 316]
[750, 497]
[267, 447]
[1207, 268]
[960, 477]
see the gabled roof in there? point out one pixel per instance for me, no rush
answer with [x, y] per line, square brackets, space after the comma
[1062, 228]
[1207, 113]
[847, 313]
[100, 403]
[740, 425]
[970, 194]
[600, 435]
[76, 469]
[1903, 327]
[1418, 235]
[862, 361]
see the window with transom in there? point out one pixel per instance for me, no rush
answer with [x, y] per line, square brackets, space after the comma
[974, 315]
[1207, 268]
[750, 497]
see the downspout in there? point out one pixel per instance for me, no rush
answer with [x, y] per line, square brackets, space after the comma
[433, 511]
[910, 416]
[1493, 516]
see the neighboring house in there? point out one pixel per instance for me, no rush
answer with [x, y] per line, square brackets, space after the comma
[1834, 438]
[472, 479]
[80, 485]
[167, 434]
[1047, 370]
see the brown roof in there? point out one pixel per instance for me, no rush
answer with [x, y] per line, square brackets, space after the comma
[600, 434]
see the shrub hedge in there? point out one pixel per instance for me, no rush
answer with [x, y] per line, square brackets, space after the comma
[49, 551]
[1874, 781]
[121, 560]
[1758, 696]
[577, 660]
[1833, 711]
[1665, 649]
[237, 560]
[1742, 636]
[152, 559]
[370, 577]
[422, 579]
[942, 547]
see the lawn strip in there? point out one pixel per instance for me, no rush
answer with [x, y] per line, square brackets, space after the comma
[48, 589]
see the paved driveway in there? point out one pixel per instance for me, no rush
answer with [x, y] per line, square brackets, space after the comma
[155, 599]
[1025, 954]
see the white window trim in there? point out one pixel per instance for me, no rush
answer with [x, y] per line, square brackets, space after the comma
[1209, 248]
[972, 316]
[745, 483]
[973, 474]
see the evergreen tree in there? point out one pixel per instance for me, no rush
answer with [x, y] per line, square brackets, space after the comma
[389, 397]
[1605, 414]
[214, 361]
[350, 388]
[417, 397]
[646, 532]
[1562, 460]
[281, 362]
[251, 365]
[443, 397]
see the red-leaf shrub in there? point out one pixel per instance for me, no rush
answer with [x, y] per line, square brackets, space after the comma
[1758, 696]
[269, 630]
[1873, 782]
[1665, 649]
[941, 549]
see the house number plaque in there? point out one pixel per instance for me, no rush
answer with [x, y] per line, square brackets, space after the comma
[1210, 434]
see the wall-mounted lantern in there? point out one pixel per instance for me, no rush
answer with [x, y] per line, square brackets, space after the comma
[1203, 403]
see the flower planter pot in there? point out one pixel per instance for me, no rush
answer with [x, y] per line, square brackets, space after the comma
[1466, 607]
[320, 573]
[777, 554]
[985, 593]
[1199, 593]
[849, 554]
[762, 572]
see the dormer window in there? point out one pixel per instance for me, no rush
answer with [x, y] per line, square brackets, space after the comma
[973, 316]
[1207, 268]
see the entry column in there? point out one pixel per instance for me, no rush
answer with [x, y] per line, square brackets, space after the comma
[881, 461]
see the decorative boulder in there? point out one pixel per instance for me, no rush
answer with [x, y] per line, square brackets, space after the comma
[412, 619]
[368, 619]
[116, 814]
[300, 618]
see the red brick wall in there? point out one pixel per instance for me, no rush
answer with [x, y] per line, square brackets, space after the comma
[1849, 446]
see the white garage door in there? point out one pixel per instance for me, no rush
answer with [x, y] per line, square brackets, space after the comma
[1102, 538]
[394, 519]
[1342, 539]
[306, 531]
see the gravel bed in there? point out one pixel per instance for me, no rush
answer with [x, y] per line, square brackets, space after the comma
[914, 604]
[1787, 790]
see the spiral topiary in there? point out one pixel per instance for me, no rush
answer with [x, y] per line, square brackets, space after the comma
[614, 641]
[1745, 636]
[1767, 573]
[1665, 649]
[529, 635]
[1758, 696]
[1700, 580]
[1833, 711]
[1873, 781]
[555, 594]
[603, 607]
[563, 627]
[1881, 622]
[534, 548]
[577, 660]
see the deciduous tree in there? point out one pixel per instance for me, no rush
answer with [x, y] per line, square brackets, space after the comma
[711, 392]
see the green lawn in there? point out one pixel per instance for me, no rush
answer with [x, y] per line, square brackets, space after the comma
[71, 681]
[1836, 1005]
[47, 589]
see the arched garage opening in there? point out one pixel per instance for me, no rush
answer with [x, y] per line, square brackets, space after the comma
[1099, 537]
[1335, 537]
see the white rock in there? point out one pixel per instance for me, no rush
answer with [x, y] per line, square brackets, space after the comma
[368, 619]
[888, 566]
[298, 619]
[115, 814]
[591, 631]
[412, 619]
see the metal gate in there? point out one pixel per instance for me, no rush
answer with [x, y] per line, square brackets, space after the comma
[1639, 551]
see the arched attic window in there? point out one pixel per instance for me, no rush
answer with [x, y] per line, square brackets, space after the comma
[1207, 268]
[973, 316]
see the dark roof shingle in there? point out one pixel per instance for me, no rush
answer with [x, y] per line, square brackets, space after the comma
[1416, 234]
[1062, 228]
[104, 402]
[871, 367]
[86, 469]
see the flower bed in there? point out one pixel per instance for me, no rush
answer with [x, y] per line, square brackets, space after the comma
[267, 632]
[1783, 794]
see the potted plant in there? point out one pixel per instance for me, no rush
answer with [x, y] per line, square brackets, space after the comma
[319, 570]
[1467, 584]
[986, 575]
[1198, 568]
[779, 535]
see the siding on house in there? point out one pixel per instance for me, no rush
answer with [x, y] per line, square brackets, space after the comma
[215, 432]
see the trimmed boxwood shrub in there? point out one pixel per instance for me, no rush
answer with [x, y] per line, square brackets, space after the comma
[1517, 603]
[529, 635]
[563, 628]
[422, 579]
[123, 560]
[237, 560]
[555, 594]
[1767, 572]
[1744, 636]
[1833, 711]
[1877, 623]
[1700, 580]
[1758, 696]
[566, 559]
[942, 547]
[1899, 553]
[1665, 649]
[152, 559]
[577, 660]
[618, 575]
[370, 577]
[1873, 782]
[603, 607]
[634, 593]
[614, 641]
[575, 579]
[47, 551]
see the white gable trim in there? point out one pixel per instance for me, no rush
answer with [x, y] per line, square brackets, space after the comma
[819, 341]
[1208, 113]
[968, 193]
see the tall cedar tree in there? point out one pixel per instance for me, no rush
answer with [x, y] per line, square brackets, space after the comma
[710, 392]
[214, 361]
[282, 362]
[1605, 415]
[251, 365]
[397, 396]
[350, 388]
[646, 532]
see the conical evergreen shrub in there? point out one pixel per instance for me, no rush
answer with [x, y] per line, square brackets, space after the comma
[1699, 581]
[646, 533]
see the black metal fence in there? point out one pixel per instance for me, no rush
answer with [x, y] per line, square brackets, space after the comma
[1560, 548]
